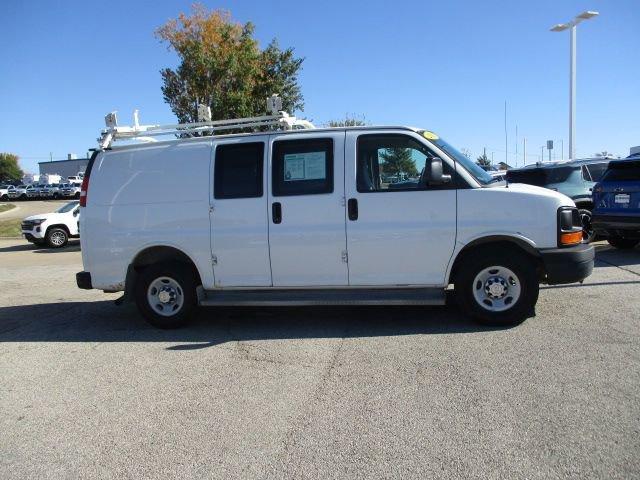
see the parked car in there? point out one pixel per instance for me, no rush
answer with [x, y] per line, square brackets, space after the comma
[53, 229]
[302, 217]
[617, 203]
[70, 190]
[18, 193]
[51, 191]
[4, 191]
[574, 178]
[75, 179]
[34, 191]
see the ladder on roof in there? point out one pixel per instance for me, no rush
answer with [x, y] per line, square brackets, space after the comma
[145, 133]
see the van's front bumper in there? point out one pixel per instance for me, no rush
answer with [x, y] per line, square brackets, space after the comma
[569, 264]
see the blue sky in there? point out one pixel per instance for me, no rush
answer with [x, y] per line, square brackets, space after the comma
[447, 66]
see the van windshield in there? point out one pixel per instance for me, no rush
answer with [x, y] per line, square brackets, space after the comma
[482, 177]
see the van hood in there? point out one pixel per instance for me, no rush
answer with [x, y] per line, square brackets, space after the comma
[46, 216]
[532, 190]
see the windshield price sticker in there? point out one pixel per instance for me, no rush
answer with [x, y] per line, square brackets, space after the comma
[305, 166]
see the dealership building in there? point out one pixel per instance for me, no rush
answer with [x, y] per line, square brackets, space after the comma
[65, 168]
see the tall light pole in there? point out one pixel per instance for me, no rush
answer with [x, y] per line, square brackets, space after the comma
[560, 27]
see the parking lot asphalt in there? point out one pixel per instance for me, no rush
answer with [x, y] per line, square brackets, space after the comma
[89, 390]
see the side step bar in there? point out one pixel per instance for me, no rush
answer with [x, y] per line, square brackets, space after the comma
[304, 297]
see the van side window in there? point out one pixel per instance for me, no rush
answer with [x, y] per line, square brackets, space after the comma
[393, 162]
[303, 167]
[238, 170]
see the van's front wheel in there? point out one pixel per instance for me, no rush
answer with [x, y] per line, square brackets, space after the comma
[498, 289]
[166, 295]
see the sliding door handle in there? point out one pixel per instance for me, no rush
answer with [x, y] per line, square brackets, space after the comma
[276, 212]
[352, 208]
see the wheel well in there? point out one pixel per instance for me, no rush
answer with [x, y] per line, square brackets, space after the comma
[495, 243]
[62, 226]
[161, 254]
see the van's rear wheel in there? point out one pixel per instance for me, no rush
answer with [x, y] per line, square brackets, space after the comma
[166, 294]
[497, 288]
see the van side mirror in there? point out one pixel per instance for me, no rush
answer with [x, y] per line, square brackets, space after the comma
[434, 173]
[76, 212]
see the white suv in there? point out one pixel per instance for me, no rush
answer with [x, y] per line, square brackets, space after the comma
[5, 190]
[53, 229]
[361, 215]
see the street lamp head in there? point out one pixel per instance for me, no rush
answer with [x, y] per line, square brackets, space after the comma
[560, 27]
[588, 14]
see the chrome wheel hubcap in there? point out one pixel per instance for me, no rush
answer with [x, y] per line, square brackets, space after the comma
[496, 289]
[57, 238]
[165, 296]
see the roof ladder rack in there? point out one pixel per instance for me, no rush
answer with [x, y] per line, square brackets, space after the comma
[277, 118]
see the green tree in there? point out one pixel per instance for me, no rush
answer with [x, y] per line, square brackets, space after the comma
[222, 66]
[398, 160]
[348, 121]
[483, 160]
[9, 167]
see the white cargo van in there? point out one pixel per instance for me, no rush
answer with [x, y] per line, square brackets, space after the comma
[304, 216]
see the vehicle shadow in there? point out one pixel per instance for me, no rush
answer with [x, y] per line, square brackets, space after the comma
[105, 322]
[72, 246]
[614, 256]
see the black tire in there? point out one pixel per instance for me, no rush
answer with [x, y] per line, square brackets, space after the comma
[56, 196]
[623, 243]
[588, 232]
[184, 277]
[23, 196]
[57, 237]
[520, 264]
[4, 197]
[76, 195]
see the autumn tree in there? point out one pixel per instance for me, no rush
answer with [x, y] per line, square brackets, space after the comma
[398, 160]
[222, 66]
[9, 167]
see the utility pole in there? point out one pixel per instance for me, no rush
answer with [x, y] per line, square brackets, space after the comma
[506, 142]
[571, 26]
[524, 151]
[516, 156]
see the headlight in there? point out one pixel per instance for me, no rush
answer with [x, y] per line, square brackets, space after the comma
[38, 221]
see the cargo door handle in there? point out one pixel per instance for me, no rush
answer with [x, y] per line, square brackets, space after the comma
[276, 212]
[352, 208]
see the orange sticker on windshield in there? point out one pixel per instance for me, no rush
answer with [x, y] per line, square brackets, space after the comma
[429, 135]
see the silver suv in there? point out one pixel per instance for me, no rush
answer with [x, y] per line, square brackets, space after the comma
[68, 190]
[51, 191]
[18, 193]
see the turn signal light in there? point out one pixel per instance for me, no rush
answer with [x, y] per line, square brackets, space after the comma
[570, 238]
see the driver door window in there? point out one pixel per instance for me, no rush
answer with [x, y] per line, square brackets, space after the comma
[394, 163]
